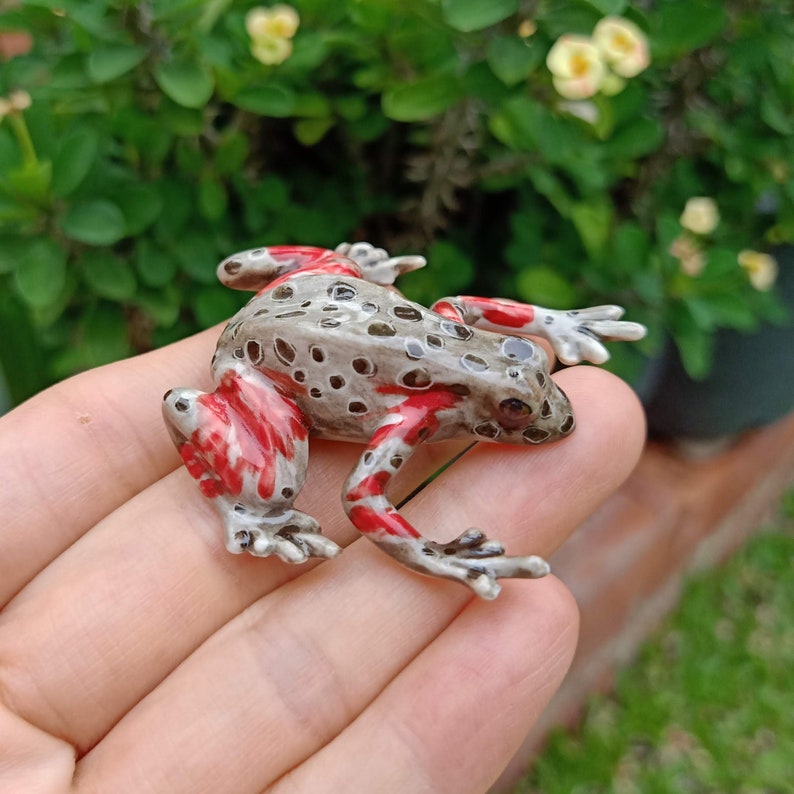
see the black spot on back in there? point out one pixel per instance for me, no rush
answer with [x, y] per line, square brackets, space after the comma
[254, 350]
[407, 313]
[380, 329]
[418, 378]
[456, 330]
[474, 363]
[363, 366]
[488, 429]
[341, 291]
[282, 293]
[285, 352]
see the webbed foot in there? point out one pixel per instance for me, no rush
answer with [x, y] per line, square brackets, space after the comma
[578, 335]
[376, 264]
[292, 536]
[476, 561]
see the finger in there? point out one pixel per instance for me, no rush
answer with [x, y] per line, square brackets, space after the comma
[299, 665]
[100, 440]
[106, 422]
[451, 720]
[142, 590]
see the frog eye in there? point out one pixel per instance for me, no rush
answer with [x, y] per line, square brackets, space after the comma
[514, 413]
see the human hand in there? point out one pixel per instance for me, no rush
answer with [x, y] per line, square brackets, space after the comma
[137, 655]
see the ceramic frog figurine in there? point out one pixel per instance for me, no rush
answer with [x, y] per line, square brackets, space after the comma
[326, 348]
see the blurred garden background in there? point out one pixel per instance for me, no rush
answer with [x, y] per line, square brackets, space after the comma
[561, 152]
[564, 153]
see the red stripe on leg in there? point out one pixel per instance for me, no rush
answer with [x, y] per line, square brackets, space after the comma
[389, 521]
[374, 485]
[509, 314]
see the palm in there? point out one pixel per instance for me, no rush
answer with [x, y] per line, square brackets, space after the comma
[137, 655]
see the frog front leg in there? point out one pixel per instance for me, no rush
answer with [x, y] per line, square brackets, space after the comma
[575, 335]
[246, 445]
[471, 558]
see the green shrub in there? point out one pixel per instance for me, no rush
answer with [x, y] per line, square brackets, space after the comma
[161, 137]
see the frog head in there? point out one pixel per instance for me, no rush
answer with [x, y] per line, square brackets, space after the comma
[525, 406]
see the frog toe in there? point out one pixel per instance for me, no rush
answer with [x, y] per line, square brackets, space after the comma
[478, 562]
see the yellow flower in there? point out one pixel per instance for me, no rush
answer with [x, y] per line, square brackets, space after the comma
[761, 268]
[280, 21]
[689, 256]
[700, 215]
[17, 102]
[623, 45]
[576, 66]
[20, 100]
[271, 50]
[527, 28]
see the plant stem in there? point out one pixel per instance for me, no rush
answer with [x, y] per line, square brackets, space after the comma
[17, 122]
[212, 10]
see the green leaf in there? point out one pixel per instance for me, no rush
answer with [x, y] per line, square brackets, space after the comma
[155, 267]
[141, 205]
[212, 200]
[608, 7]
[198, 257]
[214, 305]
[231, 153]
[637, 139]
[108, 276]
[593, 221]
[272, 193]
[774, 114]
[421, 99]
[162, 305]
[75, 157]
[178, 196]
[188, 83]
[630, 248]
[680, 27]
[40, 272]
[108, 63]
[450, 272]
[512, 59]
[266, 100]
[311, 106]
[20, 354]
[312, 131]
[31, 180]
[469, 15]
[94, 222]
[546, 287]
[105, 336]
[731, 310]
[697, 351]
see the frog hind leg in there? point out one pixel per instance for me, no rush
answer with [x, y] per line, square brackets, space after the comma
[246, 446]
[576, 335]
[471, 559]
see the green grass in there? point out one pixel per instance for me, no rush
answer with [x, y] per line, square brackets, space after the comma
[708, 706]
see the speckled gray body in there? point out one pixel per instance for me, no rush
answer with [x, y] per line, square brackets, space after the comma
[344, 342]
[326, 348]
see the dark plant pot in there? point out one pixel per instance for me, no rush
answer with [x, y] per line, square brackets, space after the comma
[751, 384]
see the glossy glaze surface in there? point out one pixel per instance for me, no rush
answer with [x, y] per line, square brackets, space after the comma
[327, 349]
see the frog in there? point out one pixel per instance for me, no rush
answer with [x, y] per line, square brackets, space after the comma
[328, 348]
